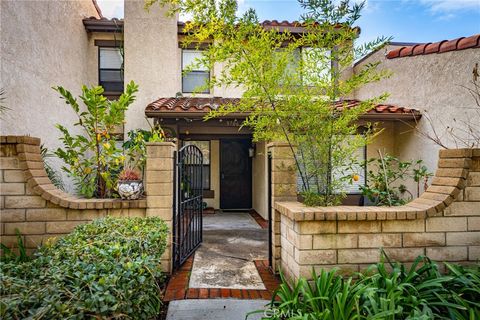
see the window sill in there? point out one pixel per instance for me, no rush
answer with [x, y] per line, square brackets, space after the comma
[209, 194]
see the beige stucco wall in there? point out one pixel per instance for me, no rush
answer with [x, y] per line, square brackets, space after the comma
[152, 57]
[214, 174]
[43, 44]
[429, 83]
[260, 180]
[384, 141]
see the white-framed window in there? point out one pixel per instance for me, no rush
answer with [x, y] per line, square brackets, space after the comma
[196, 78]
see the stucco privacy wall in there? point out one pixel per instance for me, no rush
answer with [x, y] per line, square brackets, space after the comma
[431, 83]
[30, 203]
[43, 44]
[444, 223]
[152, 57]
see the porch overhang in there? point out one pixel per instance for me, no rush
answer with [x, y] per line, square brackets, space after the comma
[198, 107]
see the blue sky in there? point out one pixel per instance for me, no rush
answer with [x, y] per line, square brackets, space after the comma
[404, 20]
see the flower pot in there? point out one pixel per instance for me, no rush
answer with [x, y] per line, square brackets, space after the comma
[130, 189]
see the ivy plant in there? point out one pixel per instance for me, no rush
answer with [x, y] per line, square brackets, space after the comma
[92, 158]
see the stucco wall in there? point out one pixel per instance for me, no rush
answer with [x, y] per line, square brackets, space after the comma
[43, 44]
[259, 180]
[429, 83]
[152, 57]
[443, 223]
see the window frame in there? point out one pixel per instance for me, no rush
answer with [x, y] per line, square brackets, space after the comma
[209, 165]
[193, 71]
[108, 69]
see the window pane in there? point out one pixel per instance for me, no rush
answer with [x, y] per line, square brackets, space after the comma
[338, 173]
[189, 58]
[110, 58]
[195, 79]
[317, 64]
[206, 177]
[204, 146]
[111, 80]
[111, 75]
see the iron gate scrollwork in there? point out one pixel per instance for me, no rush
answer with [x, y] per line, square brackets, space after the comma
[188, 200]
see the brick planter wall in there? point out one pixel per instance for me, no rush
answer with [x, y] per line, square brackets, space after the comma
[30, 203]
[444, 224]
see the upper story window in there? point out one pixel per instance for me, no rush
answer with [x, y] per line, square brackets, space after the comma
[194, 79]
[110, 71]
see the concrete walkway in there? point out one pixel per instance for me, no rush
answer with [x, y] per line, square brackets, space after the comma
[231, 242]
[215, 309]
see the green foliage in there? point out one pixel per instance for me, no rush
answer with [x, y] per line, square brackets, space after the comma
[3, 107]
[109, 268]
[290, 82]
[92, 158]
[10, 255]
[387, 291]
[53, 175]
[386, 176]
[135, 147]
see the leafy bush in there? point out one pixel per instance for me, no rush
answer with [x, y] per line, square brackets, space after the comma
[386, 177]
[386, 291]
[93, 158]
[109, 268]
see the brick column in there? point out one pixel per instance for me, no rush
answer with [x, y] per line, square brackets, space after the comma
[159, 189]
[284, 188]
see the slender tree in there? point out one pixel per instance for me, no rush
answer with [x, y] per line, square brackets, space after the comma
[293, 83]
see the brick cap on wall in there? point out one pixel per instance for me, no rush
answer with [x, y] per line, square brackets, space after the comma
[168, 144]
[29, 155]
[449, 180]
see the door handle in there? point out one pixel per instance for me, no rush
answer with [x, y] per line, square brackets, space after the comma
[222, 176]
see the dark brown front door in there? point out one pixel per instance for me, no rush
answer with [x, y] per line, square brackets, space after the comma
[235, 174]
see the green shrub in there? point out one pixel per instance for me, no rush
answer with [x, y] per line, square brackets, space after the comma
[386, 291]
[109, 268]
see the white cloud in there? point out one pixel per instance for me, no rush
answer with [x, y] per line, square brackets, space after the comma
[111, 8]
[449, 6]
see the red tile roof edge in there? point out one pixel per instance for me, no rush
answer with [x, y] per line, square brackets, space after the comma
[195, 105]
[436, 47]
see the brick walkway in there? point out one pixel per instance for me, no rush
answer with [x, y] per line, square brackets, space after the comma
[177, 288]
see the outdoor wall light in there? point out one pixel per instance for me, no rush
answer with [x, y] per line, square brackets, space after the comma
[251, 151]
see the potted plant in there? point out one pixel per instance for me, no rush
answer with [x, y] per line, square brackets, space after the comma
[130, 184]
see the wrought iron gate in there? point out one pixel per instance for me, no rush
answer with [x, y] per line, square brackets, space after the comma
[188, 200]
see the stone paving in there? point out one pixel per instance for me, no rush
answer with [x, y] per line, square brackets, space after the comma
[230, 263]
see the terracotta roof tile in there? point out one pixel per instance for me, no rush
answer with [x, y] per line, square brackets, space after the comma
[194, 106]
[469, 42]
[436, 47]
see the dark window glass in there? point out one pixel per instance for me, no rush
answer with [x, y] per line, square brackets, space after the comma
[204, 146]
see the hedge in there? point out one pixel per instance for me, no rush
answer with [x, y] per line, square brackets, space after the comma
[109, 268]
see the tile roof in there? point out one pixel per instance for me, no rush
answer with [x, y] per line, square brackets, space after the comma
[102, 24]
[195, 106]
[436, 47]
[94, 24]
